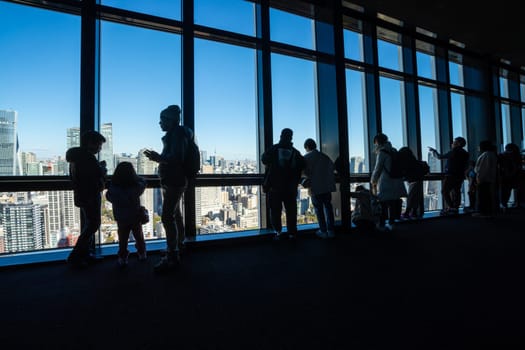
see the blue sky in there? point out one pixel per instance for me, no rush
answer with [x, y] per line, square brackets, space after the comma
[141, 74]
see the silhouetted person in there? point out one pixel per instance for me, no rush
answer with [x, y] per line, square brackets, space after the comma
[389, 190]
[173, 182]
[509, 166]
[367, 210]
[319, 172]
[88, 176]
[486, 169]
[124, 193]
[455, 166]
[414, 209]
[284, 167]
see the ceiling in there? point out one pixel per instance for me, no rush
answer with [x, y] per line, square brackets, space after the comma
[497, 31]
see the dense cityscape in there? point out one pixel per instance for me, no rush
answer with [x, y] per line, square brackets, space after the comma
[48, 219]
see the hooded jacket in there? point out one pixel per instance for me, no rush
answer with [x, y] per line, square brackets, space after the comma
[86, 174]
[175, 143]
[388, 188]
[126, 201]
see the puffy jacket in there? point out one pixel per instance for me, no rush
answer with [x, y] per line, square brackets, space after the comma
[388, 188]
[320, 170]
[126, 201]
[86, 174]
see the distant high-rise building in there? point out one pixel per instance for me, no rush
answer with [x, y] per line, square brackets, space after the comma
[106, 153]
[9, 163]
[73, 137]
[23, 225]
[144, 165]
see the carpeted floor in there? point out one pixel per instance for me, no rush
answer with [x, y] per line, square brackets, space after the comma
[438, 284]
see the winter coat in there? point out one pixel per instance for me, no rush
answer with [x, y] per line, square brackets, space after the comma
[387, 188]
[126, 201]
[86, 174]
[320, 171]
[174, 143]
[486, 167]
[284, 166]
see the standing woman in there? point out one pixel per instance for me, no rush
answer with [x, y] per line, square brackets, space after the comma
[389, 190]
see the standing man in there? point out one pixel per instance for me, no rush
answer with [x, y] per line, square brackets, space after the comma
[320, 181]
[88, 177]
[173, 182]
[284, 165]
[455, 167]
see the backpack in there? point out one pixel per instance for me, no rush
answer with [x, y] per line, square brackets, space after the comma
[397, 166]
[416, 170]
[192, 159]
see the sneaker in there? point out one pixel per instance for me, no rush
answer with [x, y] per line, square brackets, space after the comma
[122, 262]
[330, 234]
[279, 236]
[167, 263]
[321, 234]
[142, 256]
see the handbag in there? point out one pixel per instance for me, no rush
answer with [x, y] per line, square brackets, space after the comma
[143, 215]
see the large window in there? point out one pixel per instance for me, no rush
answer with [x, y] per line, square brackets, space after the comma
[140, 76]
[232, 15]
[392, 110]
[357, 130]
[226, 129]
[39, 89]
[291, 29]
[294, 107]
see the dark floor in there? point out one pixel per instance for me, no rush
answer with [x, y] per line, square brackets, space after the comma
[440, 284]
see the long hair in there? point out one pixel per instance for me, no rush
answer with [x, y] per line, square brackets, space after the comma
[124, 175]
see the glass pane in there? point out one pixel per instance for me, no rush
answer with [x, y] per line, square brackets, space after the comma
[233, 15]
[426, 61]
[392, 107]
[357, 136]
[225, 106]
[505, 125]
[429, 125]
[294, 107]
[38, 220]
[459, 122]
[39, 90]
[503, 87]
[522, 88]
[162, 8]
[226, 209]
[455, 68]
[291, 29]
[140, 76]
[523, 128]
[294, 101]
[353, 43]
[389, 50]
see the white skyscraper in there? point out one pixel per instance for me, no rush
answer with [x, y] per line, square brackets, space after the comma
[9, 163]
